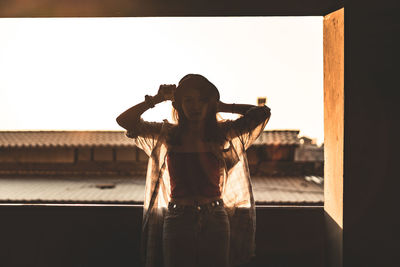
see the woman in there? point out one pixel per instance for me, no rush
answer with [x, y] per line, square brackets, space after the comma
[199, 206]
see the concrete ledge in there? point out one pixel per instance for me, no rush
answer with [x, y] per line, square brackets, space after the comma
[109, 235]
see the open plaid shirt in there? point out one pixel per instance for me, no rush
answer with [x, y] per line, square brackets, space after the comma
[236, 187]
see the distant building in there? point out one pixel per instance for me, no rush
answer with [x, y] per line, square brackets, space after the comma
[308, 151]
[275, 145]
[75, 153]
[111, 153]
[306, 141]
[283, 153]
[107, 167]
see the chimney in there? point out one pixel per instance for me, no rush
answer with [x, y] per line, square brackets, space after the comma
[261, 101]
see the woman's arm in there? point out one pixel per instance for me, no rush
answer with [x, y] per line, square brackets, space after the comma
[249, 125]
[129, 118]
[234, 108]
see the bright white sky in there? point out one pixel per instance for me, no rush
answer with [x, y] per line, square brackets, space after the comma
[81, 73]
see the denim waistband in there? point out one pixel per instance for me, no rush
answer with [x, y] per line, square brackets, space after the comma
[212, 204]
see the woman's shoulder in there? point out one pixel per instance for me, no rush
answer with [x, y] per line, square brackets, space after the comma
[225, 124]
[168, 125]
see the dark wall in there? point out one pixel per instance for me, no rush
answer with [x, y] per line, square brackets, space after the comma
[110, 236]
[69, 236]
[371, 150]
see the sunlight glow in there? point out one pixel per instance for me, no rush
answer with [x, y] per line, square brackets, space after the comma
[81, 73]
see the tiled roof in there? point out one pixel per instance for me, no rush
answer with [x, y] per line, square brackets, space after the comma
[267, 190]
[288, 190]
[71, 190]
[278, 137]
[112, 138]
[63, 138]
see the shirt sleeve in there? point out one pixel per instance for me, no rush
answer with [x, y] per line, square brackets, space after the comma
[145, 134]
[248, 127]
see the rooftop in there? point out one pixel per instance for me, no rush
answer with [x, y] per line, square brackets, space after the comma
[278, 137]
[112, 138]
[63, 138]
[267, 190]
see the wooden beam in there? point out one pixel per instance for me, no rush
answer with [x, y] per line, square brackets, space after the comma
[160, 8]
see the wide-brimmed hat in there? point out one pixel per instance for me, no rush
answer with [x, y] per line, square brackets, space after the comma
[199, 82]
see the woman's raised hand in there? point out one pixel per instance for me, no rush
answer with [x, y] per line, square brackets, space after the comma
[167, 91]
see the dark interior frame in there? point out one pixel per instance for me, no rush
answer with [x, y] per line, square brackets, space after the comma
[164, 8]
[371, 172]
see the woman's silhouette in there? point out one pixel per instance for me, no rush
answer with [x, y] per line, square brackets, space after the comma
[199, 206]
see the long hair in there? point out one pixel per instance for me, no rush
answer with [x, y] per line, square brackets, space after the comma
[212, 131]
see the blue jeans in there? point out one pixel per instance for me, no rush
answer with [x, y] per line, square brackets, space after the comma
[196, 235]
